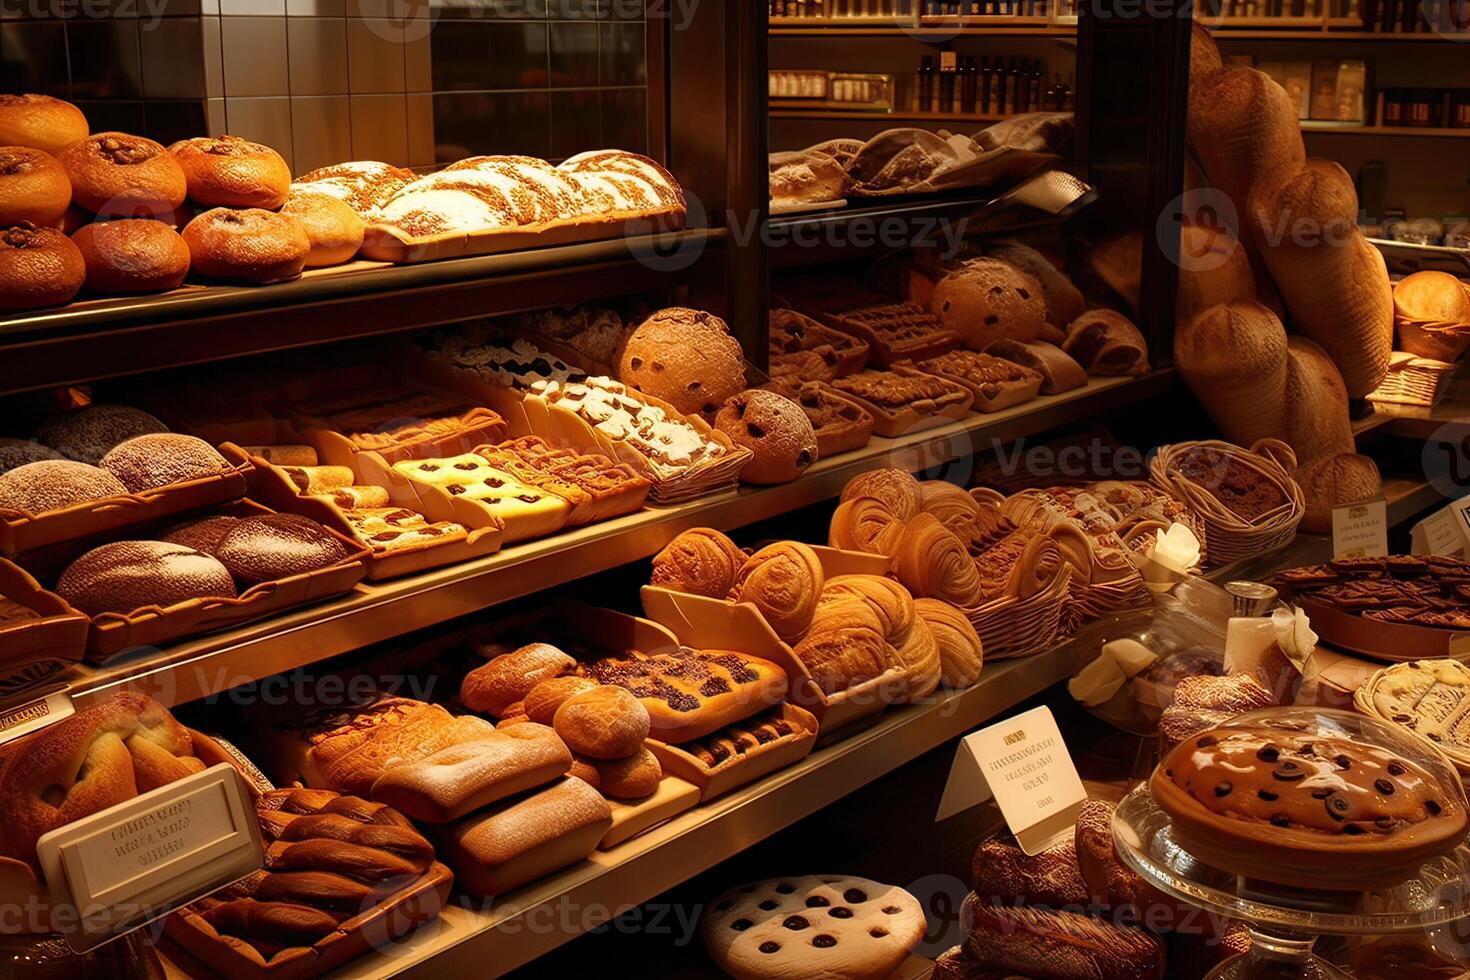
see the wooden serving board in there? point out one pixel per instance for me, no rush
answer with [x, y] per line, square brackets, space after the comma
[389, 244]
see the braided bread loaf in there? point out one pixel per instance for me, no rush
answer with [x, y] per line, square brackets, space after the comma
[99, 757]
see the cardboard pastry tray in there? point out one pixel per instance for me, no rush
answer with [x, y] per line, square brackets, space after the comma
[743, 769]
[113, 633]
[629, 819]
[35, 651]
[274, 489]
[891, 424]
[419, 902]
[21, 532]
[880, 354]
[387, 243]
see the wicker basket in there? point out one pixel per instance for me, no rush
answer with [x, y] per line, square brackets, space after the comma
[1231, 537]
[1089, 602]
[1414, 381]
[1011, 628]
[1442, 684]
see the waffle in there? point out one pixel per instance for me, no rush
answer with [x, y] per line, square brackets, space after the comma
[896, 331]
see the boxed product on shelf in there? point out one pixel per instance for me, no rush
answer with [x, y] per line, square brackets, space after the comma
[41, 635]
[335, 568]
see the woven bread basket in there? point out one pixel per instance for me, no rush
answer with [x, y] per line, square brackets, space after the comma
[1231, 536]
[1011, 627]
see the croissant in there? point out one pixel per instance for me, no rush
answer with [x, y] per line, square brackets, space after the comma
[933, 563]
[865, 524]
[960, 512]
[919, 656]
[701, 561]
[1107, 343]
[1076, 550]
[893, 603]
[961, 654]
[896, 488]
[845, 646]
[783, 581]
[1040, 563]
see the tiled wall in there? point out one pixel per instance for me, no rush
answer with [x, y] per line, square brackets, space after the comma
[330, 80]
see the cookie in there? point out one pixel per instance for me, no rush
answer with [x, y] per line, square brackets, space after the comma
[826, 926]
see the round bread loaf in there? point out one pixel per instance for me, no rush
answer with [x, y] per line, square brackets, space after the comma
[203, 535]
[277, 546]
[40, 121]
[1430, 297]
[685, 357]
[777, 432]
[33, 187]
[88, 433]
[334, 230]
[1064, 301]
[116, 175]
[606, 722]
[55, 483]
[38, 267]
[247, 246]
[128, 575]
[988, 300]
[494, 688]
[19, 452]
[230, 172]
[700, 561]
[542, 701]
[783, 581]
[162, 459]
[135, 255]
[632, 778]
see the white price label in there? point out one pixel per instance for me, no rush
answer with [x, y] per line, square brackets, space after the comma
[1360, 530]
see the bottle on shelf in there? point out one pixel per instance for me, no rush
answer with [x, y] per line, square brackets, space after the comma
[969, 85]
[982, 99]
[1014, 81]
[948, 76]
[926, 84]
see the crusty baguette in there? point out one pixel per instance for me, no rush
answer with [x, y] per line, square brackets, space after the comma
[1243, 126]
[1233, 357]
[1060, 945]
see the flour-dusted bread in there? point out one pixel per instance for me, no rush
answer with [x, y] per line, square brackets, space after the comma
[1335, 284]
[1331, 481]
[1243, 127]
[1214, 268]
[1316, 416]
[1204, 54]
[1233, 357]
[828, 926]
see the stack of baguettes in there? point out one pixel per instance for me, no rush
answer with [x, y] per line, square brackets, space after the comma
[1298, 228]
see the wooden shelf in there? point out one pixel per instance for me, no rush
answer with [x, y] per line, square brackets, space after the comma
[211, 664]
[928, 30]
[1227, 34]
[869, 115]
[1311, 126]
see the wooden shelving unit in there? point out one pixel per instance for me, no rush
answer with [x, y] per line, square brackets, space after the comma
[1314, 127]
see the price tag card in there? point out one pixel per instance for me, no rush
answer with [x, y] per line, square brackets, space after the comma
[1444, 532]
[26, 718]
[130, 864]
[1024, 764]
[1360, 530]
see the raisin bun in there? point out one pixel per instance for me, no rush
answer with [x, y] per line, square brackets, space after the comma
[41, 122]
[163, 458]
[87, 434]
[19, 452]
[334, 230]
[230, 172]
[135, 255]
[115, 175]
[776, 431]
[33, 187]
[128, 575]
[38, 267]
[253, 245]
[687, 358]
[55, 483]
[276, 546]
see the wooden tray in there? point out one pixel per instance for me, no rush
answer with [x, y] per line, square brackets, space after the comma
[389, 244]
[673, 797]
[419, 902]
[34, 651]
[21, 532]
[740, 770]
[274, 489]
[1391, 642]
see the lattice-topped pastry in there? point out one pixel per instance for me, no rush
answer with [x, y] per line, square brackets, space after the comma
[904, 400]
[1289, 805]
[1405, 589]
[525, 509]
[996, 383]
[896, 331]
[794, 333]
[841, 424]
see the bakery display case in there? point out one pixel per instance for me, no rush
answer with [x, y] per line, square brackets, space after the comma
[510, 472]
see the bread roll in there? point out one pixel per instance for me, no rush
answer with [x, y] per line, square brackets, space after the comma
[632, 778]
[46, 485]
[87, 433]
[333, 229]
[606, 722]
[33, 187]
[1107, 344]
[492, 688]
[783, 581]
[1039, 943]
[41, 122]
[685, 357]
[1064, 301]
[932, 563]
[1332, 481]
[277, 546]
[894, 487]
[1316, 407]
[1333, 281]
[38, 267]
[162, 459]
[253, 245]
[846, 645]
[128, 575]
[700, 561]
[500, 849]
[775, 430]
[115, 175]
[230, 172]
[542, 701]
[135, 255]
[15, 453]
[1233, 357]
[988, 300]
[1243, 127]
[961, 654]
